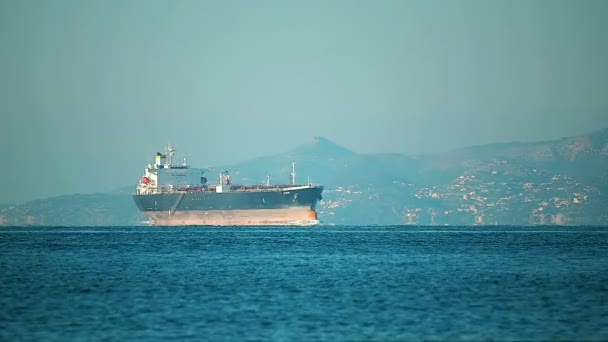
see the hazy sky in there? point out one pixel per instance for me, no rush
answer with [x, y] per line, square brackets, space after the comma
[90, 90]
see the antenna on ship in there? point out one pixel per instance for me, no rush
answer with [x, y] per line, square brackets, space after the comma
[267, 180]
[293, 173]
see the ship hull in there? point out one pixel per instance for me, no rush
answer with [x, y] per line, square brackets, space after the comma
[253, 217]
[289, 206]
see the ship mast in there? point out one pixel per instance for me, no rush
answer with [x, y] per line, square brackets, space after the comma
[170, 151]
[293, 173]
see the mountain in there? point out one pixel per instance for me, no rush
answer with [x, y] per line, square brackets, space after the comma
[328, 164]
[105, 209]
[584, 157]
[563, 181]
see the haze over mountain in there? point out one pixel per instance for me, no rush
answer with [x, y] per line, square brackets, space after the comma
[563, 181]
[88, 88]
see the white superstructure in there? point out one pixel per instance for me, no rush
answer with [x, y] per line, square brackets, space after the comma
[165, 177]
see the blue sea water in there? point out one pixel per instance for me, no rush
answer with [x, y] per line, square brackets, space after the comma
[319, 283]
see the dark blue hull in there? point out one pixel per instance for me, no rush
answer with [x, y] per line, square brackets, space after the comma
[276, 206]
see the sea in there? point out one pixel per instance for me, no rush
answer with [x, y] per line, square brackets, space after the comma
[321, 283]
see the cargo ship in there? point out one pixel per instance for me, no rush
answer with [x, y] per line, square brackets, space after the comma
[176, 194]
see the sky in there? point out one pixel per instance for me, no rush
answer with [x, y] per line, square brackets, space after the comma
[91, 90]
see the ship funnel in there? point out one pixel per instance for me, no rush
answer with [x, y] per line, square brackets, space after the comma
[160, 159]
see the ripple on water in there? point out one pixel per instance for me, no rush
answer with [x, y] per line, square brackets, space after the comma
[327, 283]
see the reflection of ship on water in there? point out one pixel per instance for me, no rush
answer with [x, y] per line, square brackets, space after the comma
[172, 194]
[147, 222]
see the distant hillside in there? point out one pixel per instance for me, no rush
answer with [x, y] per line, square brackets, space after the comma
[584, 157]
[328, 164]
[74, 210]
[553, 182]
